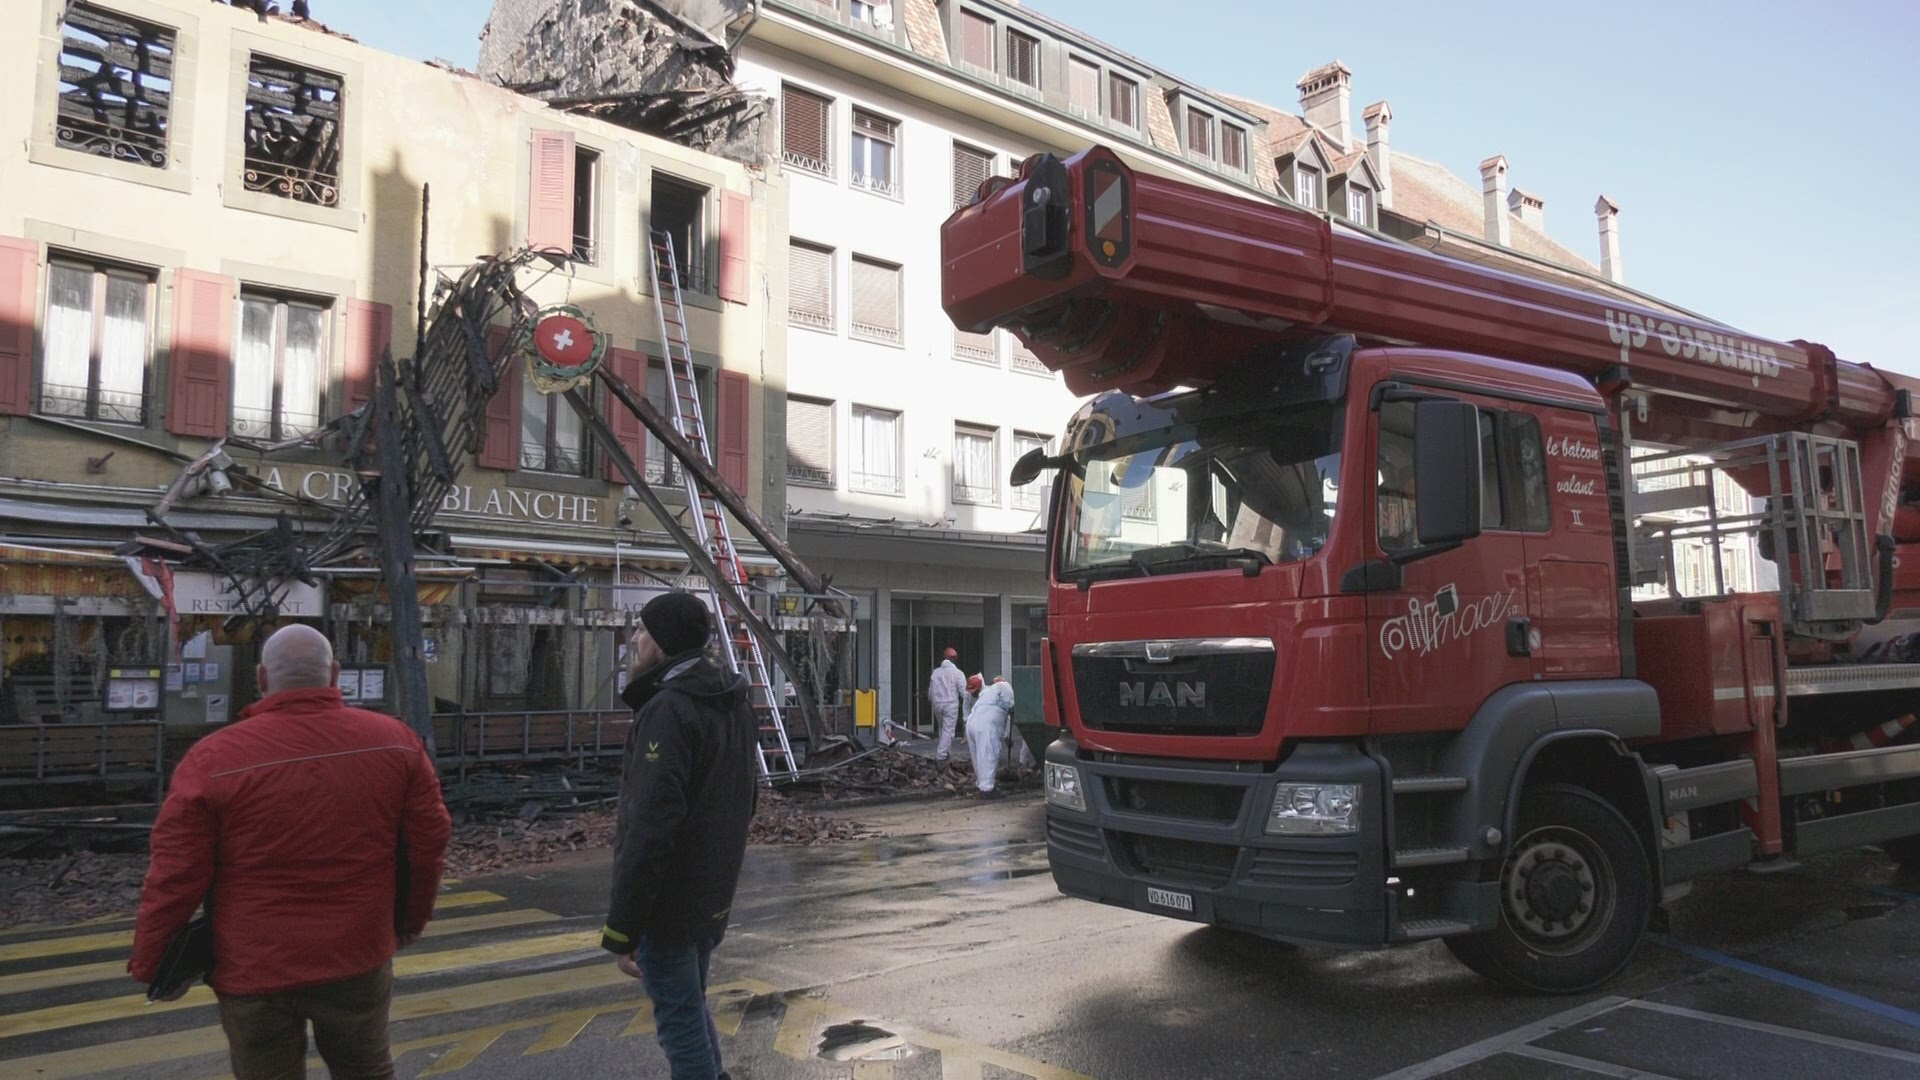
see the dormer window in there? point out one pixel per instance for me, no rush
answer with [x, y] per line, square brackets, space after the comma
[1023, 59]
[1306, 186]
[1233, 147]
[1359, 206]
[1199, 133]
[1123, 101]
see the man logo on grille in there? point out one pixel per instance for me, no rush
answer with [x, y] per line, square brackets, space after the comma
[1179, 695]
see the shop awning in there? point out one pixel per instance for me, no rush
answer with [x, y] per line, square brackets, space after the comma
[118, 517]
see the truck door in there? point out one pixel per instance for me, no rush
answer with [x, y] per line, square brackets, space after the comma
[1439, 642]
[1559, 485]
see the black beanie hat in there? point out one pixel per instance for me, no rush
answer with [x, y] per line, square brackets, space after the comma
[677, 621]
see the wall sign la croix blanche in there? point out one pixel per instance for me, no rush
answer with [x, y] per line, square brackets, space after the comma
[506, 503]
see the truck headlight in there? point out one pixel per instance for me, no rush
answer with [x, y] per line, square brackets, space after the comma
[1063, 787]
[1315, 810]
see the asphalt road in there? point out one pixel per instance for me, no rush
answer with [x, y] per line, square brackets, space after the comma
[941, 950]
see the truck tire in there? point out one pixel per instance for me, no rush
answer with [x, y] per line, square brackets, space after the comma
[1575, 896]
[1904, 851]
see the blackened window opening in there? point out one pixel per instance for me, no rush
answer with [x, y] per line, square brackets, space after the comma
[116, 86]
[294, 121]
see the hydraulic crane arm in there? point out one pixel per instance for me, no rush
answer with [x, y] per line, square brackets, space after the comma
[1132, 282]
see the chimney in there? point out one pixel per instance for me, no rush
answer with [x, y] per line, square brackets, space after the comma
[1326, 100]
[1608, 212]
[1531, 209]
[1377, 116]
[1493, 189]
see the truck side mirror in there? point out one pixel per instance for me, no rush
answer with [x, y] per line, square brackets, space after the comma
[1030, 466]
[1446, 472]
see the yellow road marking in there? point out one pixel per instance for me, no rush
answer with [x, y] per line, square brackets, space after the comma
[959, 1060]
[563, 1030]
[794, 1037]
[466, 899]
[730, 1010]
[151, 1050]
[76, 974]
[123, 939]
[463, 1053]
[53, 1017]
[642, 1023]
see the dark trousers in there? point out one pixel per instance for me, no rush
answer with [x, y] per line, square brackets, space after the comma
[675, 975]
[267, 1033]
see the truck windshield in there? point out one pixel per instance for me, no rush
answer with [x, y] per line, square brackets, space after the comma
[1253, 489]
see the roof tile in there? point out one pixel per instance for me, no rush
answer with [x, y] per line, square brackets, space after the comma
[924, 33]
[1160, 119]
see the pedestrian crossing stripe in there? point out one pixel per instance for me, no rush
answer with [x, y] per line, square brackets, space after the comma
[804, 1016]
[104, 971]
[55, 1017]
[795, 1038]
[123, 939]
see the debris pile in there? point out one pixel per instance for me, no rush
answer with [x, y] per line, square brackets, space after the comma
[71, 888]
[647, 66]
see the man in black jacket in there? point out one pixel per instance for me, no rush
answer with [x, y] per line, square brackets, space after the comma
[687, 793]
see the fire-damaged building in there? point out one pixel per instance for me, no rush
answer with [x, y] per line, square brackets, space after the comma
[220, 224]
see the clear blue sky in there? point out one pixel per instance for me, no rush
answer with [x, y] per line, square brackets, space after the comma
[1763, 152]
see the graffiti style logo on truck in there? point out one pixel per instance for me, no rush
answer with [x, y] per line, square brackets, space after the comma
[1432, 624]
[1631, 332]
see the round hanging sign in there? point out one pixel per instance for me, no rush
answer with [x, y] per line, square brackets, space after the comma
[566, 349]
[563, 340]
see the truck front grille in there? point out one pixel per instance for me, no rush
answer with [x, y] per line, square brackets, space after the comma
[1197, 802]
[1084, 839]
[1303, 867]
[1191, 861]
[1213, 694]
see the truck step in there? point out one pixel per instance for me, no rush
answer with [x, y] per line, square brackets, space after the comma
[1420, 929]
[1429, 856]
[1428, 785]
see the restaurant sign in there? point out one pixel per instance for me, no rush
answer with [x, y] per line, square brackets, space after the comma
[503, 503]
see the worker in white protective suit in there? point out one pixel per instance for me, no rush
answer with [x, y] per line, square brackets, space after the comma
[987, 733]
[945, 690]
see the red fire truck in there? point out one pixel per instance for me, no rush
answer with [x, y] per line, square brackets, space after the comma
[1395, 597]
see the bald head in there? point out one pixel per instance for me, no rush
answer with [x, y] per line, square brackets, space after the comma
[296, 658]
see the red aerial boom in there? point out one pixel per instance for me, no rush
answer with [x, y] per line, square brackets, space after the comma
[1137, 283]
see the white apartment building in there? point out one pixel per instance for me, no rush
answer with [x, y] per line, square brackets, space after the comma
[900, 429]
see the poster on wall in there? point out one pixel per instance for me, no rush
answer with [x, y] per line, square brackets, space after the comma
[133, 690]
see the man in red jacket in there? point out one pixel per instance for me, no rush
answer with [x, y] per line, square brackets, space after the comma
[318, 815]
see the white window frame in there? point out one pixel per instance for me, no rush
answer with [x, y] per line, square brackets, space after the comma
[277, 414]
[878, 335]
[1076, 62]
[1038, 84]
[801, 162]
[974, 496]
[830, 323]
[860, 153]
[1359, 210]
[1306, 186]
[1133, 100]
[811, 481]
[862, 479]
[1032, 496]
[1211, 152]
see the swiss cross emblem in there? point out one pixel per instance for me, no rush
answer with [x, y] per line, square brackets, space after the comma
[563, 340]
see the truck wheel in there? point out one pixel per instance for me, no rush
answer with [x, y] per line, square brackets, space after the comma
[1904, 851]
[1575, 895]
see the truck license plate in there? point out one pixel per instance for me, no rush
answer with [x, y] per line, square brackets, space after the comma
[1178, 901]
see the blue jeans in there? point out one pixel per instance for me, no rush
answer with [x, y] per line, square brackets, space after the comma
[675, 975]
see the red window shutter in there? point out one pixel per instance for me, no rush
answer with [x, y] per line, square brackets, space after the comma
[736, 245]
[200, 366]
[550, 194]
[19, 284]
[369, 333]
[734, 420]
[631, 367]
[500, 436]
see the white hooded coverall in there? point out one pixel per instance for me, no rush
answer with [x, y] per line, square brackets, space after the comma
[987, 732]
[945, 690]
